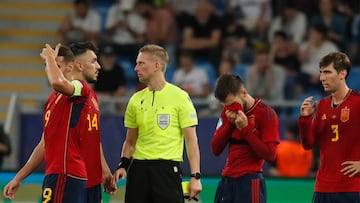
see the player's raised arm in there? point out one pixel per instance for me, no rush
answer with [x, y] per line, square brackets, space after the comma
[53, 70]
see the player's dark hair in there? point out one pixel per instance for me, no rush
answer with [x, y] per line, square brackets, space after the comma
[79, 48]
[66, 53]
[340, 60]
[227, 84]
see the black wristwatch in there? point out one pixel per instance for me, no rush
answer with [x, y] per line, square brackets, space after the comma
[196, 175]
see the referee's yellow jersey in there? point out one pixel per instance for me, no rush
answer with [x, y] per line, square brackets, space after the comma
[160, 117]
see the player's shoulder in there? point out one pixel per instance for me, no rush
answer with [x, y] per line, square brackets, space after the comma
[266, 109]
[355, 93]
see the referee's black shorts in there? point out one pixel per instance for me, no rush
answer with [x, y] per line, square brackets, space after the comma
[154, 181]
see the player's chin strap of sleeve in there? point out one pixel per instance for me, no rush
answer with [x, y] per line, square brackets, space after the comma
[238, 142]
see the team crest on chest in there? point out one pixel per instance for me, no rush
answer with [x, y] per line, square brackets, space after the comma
[345, 114]
[163, 120]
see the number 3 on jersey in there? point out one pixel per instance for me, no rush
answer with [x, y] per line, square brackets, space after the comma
[93, 122]
[335, 130]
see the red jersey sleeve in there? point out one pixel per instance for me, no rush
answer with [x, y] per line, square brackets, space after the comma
[306, 131]
[222, 134]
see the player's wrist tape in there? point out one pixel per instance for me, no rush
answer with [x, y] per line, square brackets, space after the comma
[124, 163]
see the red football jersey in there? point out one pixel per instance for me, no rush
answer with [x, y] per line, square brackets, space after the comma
[78, 139]
[62, 148]
[241, 158]
[336, 130]
[89, 127]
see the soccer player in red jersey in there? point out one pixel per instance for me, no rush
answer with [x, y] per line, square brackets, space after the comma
[82, 108]
[333, 124]
[90, 148]
[251, 130]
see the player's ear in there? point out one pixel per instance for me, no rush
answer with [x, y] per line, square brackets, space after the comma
[70, 66]
[78, 66]
[343, 74]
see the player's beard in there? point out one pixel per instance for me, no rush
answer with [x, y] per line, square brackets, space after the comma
[91, 80]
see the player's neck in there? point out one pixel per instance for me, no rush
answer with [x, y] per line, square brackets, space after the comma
[249, 102]
[78, 76]
[340, 95]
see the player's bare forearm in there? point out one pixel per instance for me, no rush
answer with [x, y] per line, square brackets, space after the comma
[55, 76]
[105, 167]
[34, 161]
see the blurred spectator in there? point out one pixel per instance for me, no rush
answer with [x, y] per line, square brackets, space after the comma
[111, 81]
[182, 13]
[292, 159]
[284, 54]
[226, 66]
[81, 24]
[126, 28]
[351, 9]
[309, 7]
[161, 26]
[255, 15]
[264, 79]
[355, 47]
[291, 21]
[236, 41]
[192, 79]
[334, 22]
[186, 6]
[310, 52]
[5, 146]
[203, 34]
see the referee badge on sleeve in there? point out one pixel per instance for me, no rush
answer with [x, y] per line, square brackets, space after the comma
[163, 120]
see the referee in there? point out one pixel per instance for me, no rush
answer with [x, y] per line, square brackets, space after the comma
[158, 119]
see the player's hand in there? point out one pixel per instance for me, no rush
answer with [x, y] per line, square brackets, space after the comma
[11, 188]
[351, 168]
[230, 115]
[48, 52]
[308, 106]
[195, 187]
[241, 120]
[120, 173]
[109, 185]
